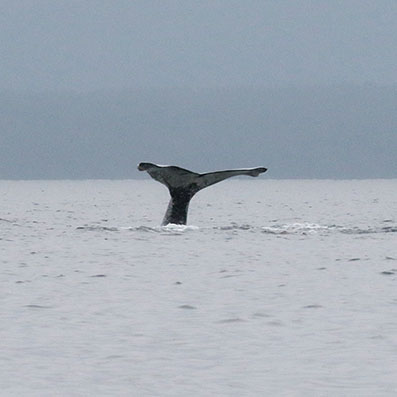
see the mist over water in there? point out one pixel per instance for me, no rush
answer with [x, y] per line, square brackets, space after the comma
[340, 131]
[273, 287]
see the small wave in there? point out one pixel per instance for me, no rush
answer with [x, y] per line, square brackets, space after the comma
[305, 228]
[38, 307]
[145, 229]
[298, 228]
[13, 222]
[172, 228]
[289, 228]
[389, 229]
[235, 226]
[369, 230]
[98, 228]
[311, 228]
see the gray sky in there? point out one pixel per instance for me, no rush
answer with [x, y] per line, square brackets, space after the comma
[89, 45]
[153, 80]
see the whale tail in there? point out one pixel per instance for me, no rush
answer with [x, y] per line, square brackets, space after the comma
[184, 184]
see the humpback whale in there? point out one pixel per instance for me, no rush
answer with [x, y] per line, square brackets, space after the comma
[184, 184]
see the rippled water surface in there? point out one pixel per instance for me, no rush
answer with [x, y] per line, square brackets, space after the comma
[275, 288]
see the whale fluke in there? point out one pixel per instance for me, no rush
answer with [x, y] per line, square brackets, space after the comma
[184, 184]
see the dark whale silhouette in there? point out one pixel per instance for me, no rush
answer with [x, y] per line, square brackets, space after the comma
[184, 184]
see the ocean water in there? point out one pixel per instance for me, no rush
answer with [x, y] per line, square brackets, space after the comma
[275, 288]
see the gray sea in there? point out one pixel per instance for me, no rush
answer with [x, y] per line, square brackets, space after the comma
[275, 288]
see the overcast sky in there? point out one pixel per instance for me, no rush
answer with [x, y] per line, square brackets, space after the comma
[94, 49]
[88, 45]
